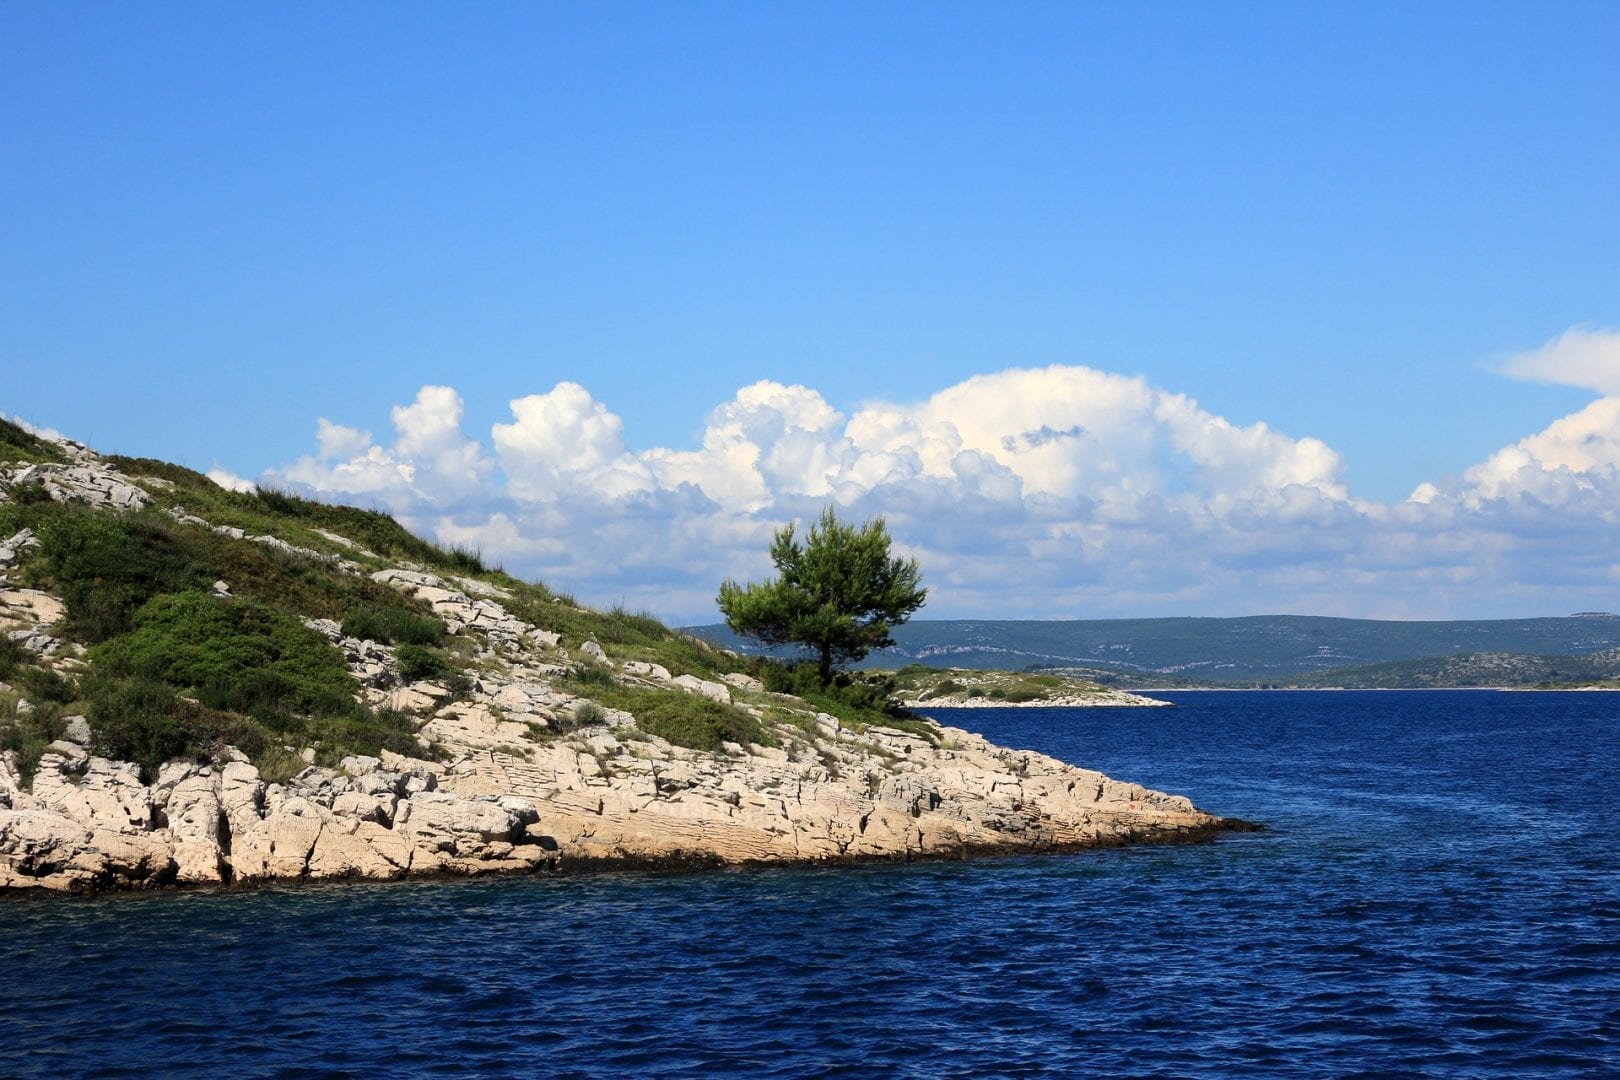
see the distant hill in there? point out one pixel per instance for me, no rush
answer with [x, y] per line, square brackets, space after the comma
[1477, 669]
[1258, 649]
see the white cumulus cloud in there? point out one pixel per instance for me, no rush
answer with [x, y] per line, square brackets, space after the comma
[1587, 358]
[1056, 491]
[229, 480]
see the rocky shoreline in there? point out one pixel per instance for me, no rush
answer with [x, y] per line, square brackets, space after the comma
[90, 825]
[515, 781]
[1100, 699]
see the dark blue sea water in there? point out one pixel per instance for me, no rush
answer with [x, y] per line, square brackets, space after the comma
[1438, 895]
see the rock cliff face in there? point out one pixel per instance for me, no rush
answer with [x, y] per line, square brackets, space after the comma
[523, 776]
[90, 824]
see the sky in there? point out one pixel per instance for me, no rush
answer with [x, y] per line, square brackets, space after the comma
[1109, 310]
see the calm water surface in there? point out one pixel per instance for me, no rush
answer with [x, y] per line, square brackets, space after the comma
[1437, 896]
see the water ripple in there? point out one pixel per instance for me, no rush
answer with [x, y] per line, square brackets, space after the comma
[1422, 906]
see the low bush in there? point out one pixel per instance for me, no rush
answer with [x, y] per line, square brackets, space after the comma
[236, 655]
[28, 733]
[859, 699]
[393, 625]
[41, 684]
[857, 696]
[105, 566]
[584, 714]
[12, 657]
[692, 720]
[416, 662]
[145, 721]
[684, 719]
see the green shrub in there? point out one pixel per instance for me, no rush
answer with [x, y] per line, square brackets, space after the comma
[690, 720]
[684, 719]
[28, 734]
[236, 655]
[695, 721]
[33, 494]
[393, 625]
[861, 697]
[361, 731]
[584, 714]
[588, 675]
[416, 663]
[12, 657]
[40, 684]
[144, 721]
[105, 566]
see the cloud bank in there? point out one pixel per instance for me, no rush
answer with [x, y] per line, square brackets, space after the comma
[1036, 492]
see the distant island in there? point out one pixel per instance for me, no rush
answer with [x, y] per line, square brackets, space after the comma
[1269, 651]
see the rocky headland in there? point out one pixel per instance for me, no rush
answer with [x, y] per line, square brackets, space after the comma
[958, 688]
[537, 742]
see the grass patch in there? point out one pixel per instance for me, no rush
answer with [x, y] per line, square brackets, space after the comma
[371, 529]
[625, 635]
[104, 566]
[236, 655]
[17, 443]
[689, 720]
[196, 673]
[393, 625]
[12, 658]
[416, 663]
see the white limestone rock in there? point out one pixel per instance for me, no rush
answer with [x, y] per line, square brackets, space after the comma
[642, 669]
[692, 684]
[88, 481]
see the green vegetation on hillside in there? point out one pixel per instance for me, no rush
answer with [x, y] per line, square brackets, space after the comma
[175, 671]
[1477, 669]
[682, 718]
[18, 444]
[858, 699]
[920, 683]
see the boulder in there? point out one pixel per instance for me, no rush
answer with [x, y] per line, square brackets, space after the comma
[655, 672]
[695, 685]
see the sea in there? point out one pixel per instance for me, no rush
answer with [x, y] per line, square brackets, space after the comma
[1437, 893]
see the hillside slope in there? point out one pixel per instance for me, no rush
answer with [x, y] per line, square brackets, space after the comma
[1494, 669]
[202, 686]
[1203, 652]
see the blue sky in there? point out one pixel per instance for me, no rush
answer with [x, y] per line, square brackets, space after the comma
[221, 225]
